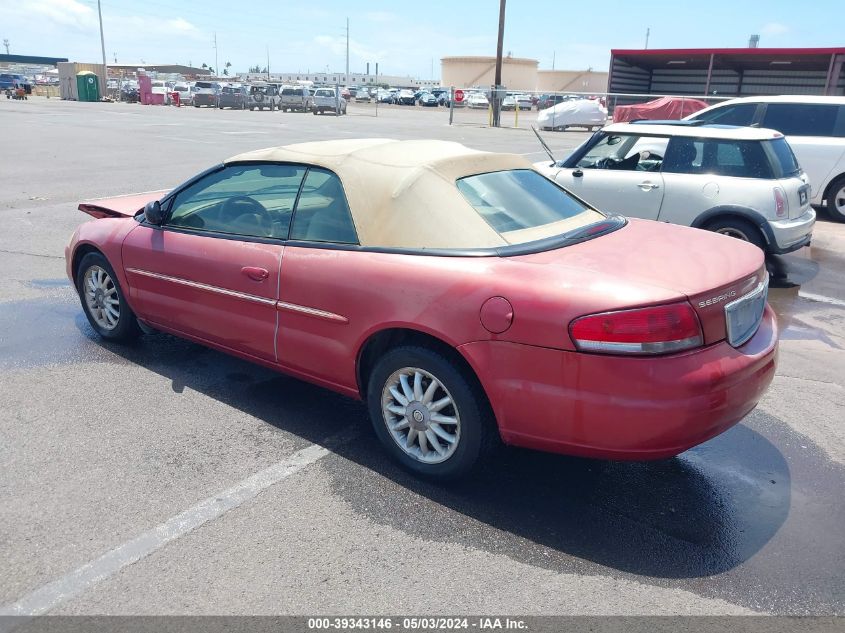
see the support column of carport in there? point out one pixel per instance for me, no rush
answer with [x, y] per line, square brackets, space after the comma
[709, 75]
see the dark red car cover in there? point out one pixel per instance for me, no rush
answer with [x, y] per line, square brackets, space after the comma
[662, 109]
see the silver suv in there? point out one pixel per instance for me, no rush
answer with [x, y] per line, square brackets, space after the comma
[738, 181]
[262, 95]
[296, 99]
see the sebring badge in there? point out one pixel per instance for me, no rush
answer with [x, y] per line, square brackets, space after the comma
[714, 300]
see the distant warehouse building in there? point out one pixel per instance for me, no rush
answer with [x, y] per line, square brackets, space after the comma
[728, 72]
[518, 73]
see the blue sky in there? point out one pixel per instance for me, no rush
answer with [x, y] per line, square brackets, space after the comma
[404, 37]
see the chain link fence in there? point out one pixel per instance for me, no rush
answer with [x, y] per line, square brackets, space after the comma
[560, 111]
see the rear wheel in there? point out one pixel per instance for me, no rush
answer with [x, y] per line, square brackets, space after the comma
[836, 200]
[740, 229]
[103, 301]
[430, 416]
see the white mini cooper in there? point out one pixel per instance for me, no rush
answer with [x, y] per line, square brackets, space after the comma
[739, 181]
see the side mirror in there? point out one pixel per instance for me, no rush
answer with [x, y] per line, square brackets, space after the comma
[153, 213]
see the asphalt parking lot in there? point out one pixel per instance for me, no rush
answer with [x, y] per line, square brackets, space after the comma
[166, 478]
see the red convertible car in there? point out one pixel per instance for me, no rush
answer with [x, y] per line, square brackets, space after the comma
[460, 293]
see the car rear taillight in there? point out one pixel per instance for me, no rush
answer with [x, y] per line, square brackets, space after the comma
[654, 330]
[780, 202]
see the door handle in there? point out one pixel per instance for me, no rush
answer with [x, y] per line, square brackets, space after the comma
[253, 272]
[648, 186]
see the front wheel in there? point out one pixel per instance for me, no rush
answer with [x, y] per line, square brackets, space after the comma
[836, 200]
[430, 416]
[103, 300]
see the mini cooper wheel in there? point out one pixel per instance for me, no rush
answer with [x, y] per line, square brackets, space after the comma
[103, 301]
[428, 414]
[740, 229]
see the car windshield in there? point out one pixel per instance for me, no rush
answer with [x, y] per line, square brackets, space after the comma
[523, 206]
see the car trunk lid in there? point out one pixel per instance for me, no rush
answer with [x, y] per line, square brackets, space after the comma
[708, 269]
[120, 206]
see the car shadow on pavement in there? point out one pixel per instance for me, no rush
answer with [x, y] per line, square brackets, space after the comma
[700, 514]
[705, 512]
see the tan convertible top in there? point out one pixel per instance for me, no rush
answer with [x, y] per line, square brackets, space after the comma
[402, 194]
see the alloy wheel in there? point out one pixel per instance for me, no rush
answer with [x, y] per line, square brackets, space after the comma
[839, 201]
[101, 297]
[420, 415]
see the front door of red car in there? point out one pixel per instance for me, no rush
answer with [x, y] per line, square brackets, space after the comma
[211, 270]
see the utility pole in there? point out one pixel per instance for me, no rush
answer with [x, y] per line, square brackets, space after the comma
[216, 70]
[553, 59]
[103, 49]
[6, 44]
[647, 33]
[498, 79]
[268, 62]
[347, 51]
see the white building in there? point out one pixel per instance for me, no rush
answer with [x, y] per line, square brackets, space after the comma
[332, 79]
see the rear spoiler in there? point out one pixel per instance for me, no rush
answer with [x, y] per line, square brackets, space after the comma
[120, 206]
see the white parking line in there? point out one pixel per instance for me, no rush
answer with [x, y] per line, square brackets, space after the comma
[822, 299]
[79, 580]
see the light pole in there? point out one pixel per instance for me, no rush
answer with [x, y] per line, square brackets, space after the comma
[216, 70]
[103, 47]
[498, 79]
[6, 44]
[347, 52]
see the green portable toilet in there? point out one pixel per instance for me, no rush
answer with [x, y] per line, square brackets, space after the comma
[87, 86]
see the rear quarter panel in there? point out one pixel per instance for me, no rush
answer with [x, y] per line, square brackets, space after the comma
[440, 296]
[687, 196]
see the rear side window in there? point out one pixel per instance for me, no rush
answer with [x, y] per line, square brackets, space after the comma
[782, 158]
[741, 114]
[801, 119]
[322, 213]
[520, 199]
[739, 159]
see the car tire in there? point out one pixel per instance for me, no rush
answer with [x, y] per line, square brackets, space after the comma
[470, 426]
[101, 296]
[315, 111]
[738, 228]
[835, 200]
